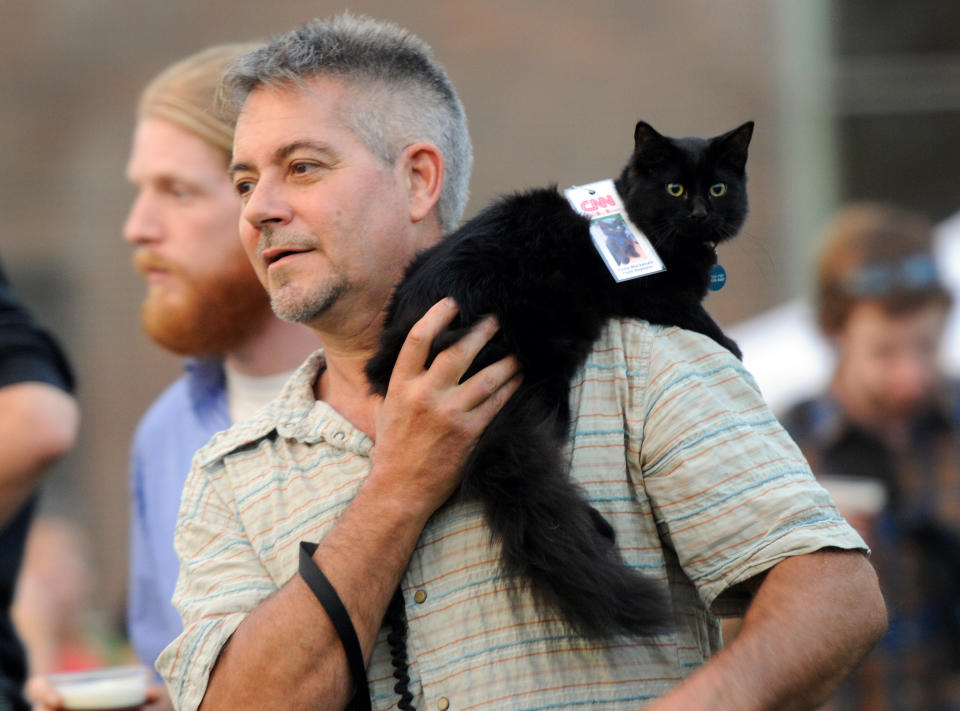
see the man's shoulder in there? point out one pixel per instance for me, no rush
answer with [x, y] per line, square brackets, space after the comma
[183, 418]
[168, 409]
[949, 394]
[623, 334]
[815, 422]
[640, 338]
[801, 416]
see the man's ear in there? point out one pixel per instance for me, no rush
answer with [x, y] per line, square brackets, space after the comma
[423, 168]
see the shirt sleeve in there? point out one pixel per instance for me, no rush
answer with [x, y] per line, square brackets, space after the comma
[27, 352]
[221, 580]
[730, 491]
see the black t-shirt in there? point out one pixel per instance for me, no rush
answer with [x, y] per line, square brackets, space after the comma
[27, 354]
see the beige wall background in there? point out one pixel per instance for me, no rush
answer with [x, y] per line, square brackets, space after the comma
[552, 90]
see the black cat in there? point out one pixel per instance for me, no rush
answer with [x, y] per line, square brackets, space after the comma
[529, 259]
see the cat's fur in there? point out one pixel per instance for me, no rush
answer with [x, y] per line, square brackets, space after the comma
[528, 259]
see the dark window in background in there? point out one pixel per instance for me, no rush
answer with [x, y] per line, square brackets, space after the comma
[897, 100]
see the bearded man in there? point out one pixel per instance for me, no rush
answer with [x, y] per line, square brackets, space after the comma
[203, 301]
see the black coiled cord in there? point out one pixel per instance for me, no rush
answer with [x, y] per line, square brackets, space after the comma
[397, 639]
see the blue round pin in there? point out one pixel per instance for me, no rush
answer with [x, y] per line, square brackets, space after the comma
[718, 277]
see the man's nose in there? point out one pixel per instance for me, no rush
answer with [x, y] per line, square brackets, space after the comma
[265, 204]
[143, 223]
[914, 375]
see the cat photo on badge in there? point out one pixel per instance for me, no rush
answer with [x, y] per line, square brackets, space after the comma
[618, 239]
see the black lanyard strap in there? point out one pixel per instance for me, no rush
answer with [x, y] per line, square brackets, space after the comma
[321, 587]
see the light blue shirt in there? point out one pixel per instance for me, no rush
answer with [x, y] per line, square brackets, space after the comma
[179, 422]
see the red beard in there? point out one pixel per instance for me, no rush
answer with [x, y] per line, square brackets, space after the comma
[202, 315]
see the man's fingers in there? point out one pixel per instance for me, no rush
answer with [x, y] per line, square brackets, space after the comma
[486, 410]
[453, 362]
[489, 385]
[40, 692]
[475, 401]
[416, 347]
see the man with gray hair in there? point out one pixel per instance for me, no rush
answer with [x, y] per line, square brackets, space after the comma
[350, 156]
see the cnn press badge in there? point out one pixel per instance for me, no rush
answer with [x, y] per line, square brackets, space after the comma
[625, 250]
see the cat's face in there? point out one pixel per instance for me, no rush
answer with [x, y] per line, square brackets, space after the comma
[687, 194]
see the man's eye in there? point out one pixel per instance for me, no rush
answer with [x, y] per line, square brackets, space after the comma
[175, 190]
[301, 168]
[243, 187]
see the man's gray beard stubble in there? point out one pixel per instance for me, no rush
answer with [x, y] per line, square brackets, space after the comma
[306, 311]
[302, 308]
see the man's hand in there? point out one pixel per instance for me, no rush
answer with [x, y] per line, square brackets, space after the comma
[41, 694]
[429, 421]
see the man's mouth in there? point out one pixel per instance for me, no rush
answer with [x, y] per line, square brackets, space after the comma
[151, 266]
[275, 254]
[156, 276]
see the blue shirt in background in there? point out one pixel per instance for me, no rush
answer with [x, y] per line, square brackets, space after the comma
[183, 419]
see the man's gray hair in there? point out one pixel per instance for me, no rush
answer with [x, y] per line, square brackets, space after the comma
[403, 94]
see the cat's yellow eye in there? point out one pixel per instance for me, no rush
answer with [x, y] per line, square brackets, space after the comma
[675, 189]
[718, 189]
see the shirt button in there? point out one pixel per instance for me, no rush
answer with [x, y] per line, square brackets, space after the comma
[443, 703]
[339, 435]
[419, 597]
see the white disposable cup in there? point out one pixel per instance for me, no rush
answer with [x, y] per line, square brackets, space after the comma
[109, 688]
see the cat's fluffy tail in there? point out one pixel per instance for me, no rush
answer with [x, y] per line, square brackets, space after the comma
[552, 537]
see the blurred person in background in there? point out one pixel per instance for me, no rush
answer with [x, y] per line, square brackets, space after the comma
[38, 426]
[203, 301]
[55, 590]
[884, 439]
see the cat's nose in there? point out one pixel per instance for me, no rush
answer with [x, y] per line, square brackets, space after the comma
[698, 209]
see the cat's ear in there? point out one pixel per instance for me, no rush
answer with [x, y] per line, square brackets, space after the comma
[646, 141]
[732, 145]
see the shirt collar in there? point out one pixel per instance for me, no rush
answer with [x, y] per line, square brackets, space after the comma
[299, 415]
[206, 386]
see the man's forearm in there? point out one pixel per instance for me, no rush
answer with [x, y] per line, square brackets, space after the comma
[38, 425]
[286, 653]
[813, 618]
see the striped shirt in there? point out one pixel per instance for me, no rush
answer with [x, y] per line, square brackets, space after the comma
[673, 445]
